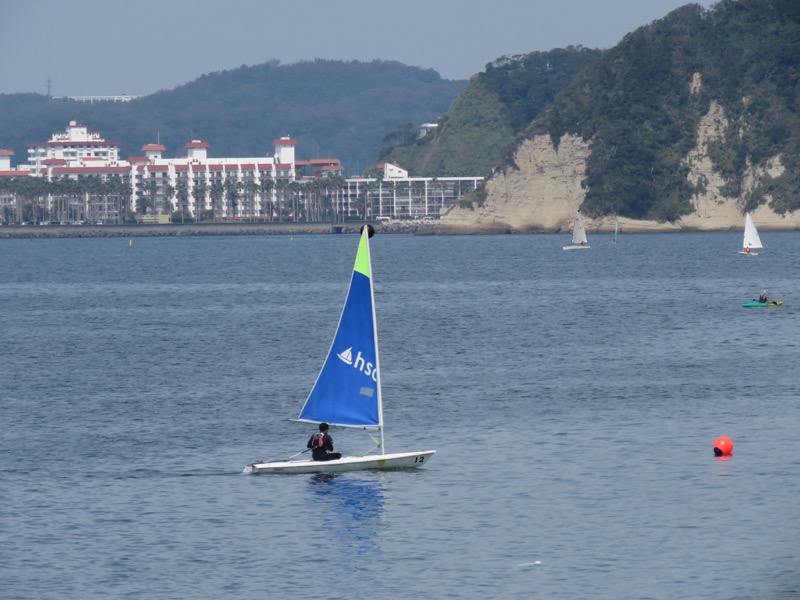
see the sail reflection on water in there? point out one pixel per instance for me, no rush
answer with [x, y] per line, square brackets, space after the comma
[351, 508]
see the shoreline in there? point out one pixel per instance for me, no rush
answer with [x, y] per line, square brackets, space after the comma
[172, 230]
[207, 229]
[224, 229]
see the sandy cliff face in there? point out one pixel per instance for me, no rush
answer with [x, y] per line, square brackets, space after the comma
[713, 210]
[543, 194]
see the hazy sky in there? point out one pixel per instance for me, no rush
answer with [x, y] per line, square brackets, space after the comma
[105, 47]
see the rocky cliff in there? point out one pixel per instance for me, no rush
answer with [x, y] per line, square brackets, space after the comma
[686, 124]
[545, 190]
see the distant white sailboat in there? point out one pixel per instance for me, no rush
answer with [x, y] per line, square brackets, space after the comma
[579, 241]
[751, 239]
[616, 229]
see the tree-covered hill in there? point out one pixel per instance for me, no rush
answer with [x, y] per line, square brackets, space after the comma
[637, 109]
[333, 108]
[634, 104]
[483, 125]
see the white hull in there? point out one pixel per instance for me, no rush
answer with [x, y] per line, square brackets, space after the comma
[583, 247]
[748, 253]
[398, 460]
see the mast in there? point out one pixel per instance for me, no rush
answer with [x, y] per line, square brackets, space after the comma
[365, 232]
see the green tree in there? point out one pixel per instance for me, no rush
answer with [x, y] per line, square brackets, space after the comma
[199, 193]
[266, 186]
[146, 201]
[182, 195]
[233, 189]
[216, 192]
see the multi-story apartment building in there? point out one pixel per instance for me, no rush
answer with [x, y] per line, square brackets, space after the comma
[75, 146]
[196, 185]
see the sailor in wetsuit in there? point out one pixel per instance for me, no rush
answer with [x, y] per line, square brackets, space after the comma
[764, 297]
[321, 444]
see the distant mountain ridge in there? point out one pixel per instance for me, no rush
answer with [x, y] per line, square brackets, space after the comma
[332, 108]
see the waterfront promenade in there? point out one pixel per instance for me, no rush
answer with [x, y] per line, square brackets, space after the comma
[197, 229]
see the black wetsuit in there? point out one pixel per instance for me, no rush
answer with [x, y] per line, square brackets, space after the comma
[323, 451]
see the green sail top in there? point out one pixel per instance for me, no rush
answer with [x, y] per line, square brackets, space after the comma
[362, 257]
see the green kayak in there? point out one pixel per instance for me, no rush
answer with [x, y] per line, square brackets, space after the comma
[757, 303]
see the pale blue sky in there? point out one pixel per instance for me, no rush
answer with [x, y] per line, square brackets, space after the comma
[99, 47]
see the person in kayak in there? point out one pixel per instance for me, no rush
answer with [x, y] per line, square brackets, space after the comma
[764, 297]
[321, 444]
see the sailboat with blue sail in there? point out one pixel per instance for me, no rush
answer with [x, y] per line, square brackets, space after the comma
[347, 392]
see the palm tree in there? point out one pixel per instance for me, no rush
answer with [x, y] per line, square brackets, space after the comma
[280, 188]
[267, 184]
[233, 188]
[296, 190]
[377, 185]
[199, 193]
[250, 188]
[93, 190]
[314, 190]
[216, 192]
[337, 184]
[124, 191]
[182, 194]
[29, 192]
[7, 209]
[169, 194]
[147, 197]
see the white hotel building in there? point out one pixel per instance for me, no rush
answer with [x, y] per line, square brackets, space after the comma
[78, 152]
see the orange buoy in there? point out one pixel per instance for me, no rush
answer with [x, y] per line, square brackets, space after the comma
[723, 446]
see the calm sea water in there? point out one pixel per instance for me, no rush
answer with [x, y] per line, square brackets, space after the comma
[573, 399]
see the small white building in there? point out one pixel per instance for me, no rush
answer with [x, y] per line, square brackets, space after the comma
[427, 128]
[391, 171]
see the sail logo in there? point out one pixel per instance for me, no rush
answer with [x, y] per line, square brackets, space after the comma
[359, 363]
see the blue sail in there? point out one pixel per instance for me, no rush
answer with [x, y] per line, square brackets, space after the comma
[347, 390]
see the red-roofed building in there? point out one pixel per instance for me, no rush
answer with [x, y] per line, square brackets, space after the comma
[73, 145]
[56, 171]
[196, 185]
[153, 151]
[320, 166]
[197, 150]
[284, 150]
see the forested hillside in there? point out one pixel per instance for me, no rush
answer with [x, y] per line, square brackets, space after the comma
[333, 108]
[483, 126]
[640, 107]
